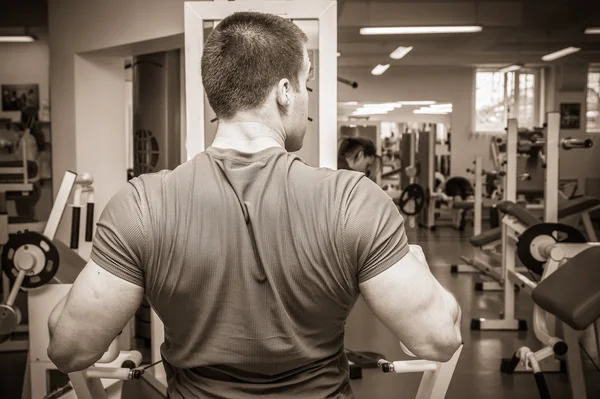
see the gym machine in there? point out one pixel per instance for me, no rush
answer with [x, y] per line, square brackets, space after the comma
[544, 248]
[512, 227]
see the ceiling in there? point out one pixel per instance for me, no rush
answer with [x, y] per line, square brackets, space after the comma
[513, 31]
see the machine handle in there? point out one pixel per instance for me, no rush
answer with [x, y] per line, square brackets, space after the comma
[89, 222]
[508, 366]
[570, 143]
[10, 301]
[75, 227]
[540, 381]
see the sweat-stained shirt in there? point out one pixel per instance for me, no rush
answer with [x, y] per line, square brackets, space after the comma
[253, 263]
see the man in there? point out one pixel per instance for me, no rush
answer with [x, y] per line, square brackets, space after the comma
[356, 153]
[251, 258]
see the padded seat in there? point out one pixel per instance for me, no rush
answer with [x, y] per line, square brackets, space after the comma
[571, 293]
[577, 205]
[486, 237]
[520, 213]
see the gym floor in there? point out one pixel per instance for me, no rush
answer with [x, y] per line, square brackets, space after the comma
[478, 372]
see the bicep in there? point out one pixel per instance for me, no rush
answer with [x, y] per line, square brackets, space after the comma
[98, 307]
[408, 300]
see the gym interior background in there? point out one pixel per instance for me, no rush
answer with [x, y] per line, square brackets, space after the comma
[432, 101]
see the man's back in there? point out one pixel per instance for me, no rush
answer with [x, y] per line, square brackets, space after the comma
[253, 267]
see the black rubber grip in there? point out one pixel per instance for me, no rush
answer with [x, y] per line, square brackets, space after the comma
[89, 222]
[540, 381]
[75, 227]
[128, 364]
[509, 366]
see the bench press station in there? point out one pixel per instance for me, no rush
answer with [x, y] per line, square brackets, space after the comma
[512, 225]
[518, 218]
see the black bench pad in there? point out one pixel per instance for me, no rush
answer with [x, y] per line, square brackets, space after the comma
[572, 293]
[520, 213]
[486, 237]
[577, 205]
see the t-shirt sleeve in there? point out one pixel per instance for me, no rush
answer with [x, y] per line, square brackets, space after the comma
[120, 244]
[373, 231]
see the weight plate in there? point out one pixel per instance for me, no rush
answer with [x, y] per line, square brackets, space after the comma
[557, 232]
[9, 319]
[42, 245]
[412, 200]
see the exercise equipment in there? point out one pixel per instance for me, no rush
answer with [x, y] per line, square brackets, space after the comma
[513, 223]
[412, 200]
[534, 243]
[568, 291]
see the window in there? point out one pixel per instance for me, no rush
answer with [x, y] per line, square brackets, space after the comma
[499, 96]
[593, 101]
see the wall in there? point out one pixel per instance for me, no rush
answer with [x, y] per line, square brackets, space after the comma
[89, 90]
[442, 84]
[25, 63]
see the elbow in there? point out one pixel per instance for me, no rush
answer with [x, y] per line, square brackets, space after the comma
[441, 350]
[65, 361]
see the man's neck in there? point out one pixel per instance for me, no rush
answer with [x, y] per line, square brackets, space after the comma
[249, 137]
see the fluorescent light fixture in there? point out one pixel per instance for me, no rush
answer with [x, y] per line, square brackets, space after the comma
[431, 111]
[417, 30]
[444, 106]
[560, 53]
[415, 102]
[591, 114]
[338, 53]
[510, 68]
[592, 31]
[379, 69]
[17, 39]
[350, 103]
[382, 105]
[400, 52]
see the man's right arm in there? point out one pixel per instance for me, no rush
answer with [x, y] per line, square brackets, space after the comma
[395, 280]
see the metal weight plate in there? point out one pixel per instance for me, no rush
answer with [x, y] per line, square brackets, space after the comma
[10, 318]
[557, 232]
[412, 200]
[41, 245]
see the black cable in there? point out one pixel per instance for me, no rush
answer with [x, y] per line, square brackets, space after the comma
[589, 357]
[151, 365]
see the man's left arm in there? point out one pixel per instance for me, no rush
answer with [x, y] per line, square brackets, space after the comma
[90, 317]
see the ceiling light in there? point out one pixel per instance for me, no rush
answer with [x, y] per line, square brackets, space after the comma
[431, 111]
[379, 69]
[416, 30]
[350, 103]
[338, 53]
[440, 106]
[510, 68]
[591, 114]
[415, 102]
[592, 31]
[17, 39]
[400, 52]
[560, 53]
[382, 105]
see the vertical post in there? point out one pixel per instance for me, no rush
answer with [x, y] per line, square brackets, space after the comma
[478, 207]
[552, 168]
[157, 337]
[574, 363]
[510, 194]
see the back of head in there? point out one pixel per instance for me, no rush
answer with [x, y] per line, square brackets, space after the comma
[350, 146]
[245, 56]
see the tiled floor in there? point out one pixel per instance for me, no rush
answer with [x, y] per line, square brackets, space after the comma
[477, 374]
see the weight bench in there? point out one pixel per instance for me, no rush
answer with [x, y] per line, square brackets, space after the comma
[490, 239]
[570, 294]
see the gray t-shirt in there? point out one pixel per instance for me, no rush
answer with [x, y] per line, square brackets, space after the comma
[253, 263]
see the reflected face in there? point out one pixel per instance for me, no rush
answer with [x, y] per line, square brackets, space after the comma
[296, 120]
[361, 162]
